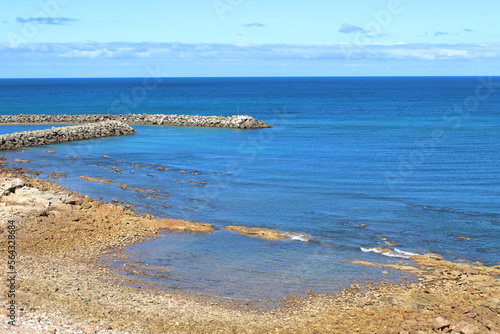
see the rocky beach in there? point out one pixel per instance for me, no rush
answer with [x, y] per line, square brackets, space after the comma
[60, 286]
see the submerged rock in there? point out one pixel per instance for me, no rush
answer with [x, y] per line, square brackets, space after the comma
[179, 225]
[264, 233]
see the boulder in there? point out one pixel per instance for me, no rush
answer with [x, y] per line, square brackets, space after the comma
[9, 186]
[440, 323]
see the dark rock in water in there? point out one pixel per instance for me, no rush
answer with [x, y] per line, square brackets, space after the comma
[64, 134]
[236, 121]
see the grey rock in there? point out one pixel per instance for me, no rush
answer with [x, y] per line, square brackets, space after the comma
[236, 121]
[11, 186]
[69, 133]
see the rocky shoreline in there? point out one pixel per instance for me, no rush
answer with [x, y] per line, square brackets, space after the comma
[64, 134]
[235, 121]
[62, 288]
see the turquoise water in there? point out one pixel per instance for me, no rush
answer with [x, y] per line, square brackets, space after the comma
[414, 159]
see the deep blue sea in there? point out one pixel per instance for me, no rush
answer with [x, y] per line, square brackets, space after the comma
[415, 160]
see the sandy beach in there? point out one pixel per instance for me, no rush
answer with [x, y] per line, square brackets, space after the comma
[61, 288]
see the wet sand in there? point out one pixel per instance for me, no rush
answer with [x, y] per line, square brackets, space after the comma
[62, 288]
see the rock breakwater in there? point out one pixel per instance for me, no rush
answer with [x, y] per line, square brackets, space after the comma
[64, 134]
[236, 121]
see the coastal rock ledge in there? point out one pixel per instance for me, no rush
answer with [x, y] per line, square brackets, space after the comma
[235, 121]
[64, 134]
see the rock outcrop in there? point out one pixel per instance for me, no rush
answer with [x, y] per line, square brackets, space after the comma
[236, 121]
[64, 134]
[180, 225]
[264, 233]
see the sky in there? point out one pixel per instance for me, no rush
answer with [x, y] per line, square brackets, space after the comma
[221, 38]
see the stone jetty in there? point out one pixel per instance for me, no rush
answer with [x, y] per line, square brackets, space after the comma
[64, 134]
[236, 121]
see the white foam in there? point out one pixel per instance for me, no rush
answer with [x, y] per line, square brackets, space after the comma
[399, 251]
[298, 237]
[396, 253]
[368, 250]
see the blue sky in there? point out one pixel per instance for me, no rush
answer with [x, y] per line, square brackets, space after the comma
[126, 38]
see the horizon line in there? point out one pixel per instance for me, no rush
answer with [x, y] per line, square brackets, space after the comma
[263, 77]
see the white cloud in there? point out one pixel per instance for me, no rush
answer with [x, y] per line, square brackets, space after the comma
[456, 54]
[400, 53]
[215, 51]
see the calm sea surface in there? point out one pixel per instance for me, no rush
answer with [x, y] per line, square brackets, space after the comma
[416, 160]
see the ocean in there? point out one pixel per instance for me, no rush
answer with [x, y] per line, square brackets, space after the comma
[406, 163]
